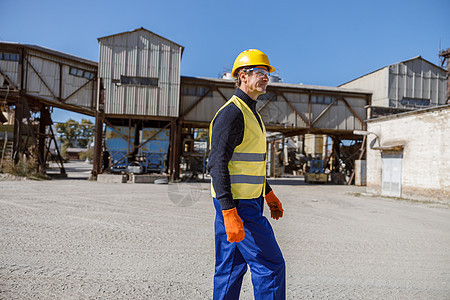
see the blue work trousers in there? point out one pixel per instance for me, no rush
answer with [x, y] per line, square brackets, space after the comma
[259, 250]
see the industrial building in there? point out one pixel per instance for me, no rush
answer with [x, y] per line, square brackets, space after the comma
[290, 110]
[408, 154]
[139, 75]
[411, 84]
[407, 130]
[33, 80]
[147, 115]
[151, 119]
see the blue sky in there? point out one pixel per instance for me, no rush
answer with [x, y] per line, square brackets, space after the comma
[311, 42]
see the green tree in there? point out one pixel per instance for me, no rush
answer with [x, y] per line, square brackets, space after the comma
[68, 132]
[85, 133]
[74, 134]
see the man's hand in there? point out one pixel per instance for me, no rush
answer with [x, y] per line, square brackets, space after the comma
[276, 209]
[233, 225]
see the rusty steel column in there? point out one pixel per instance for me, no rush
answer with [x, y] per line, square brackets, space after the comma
[98, 131]
[98, 143]
[172, 149]
[43, 122]
[446, 58]
[336, 151]
[177, 150]
[18, 130]
[19, 111]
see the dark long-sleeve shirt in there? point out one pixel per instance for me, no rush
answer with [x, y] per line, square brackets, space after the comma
[227, 134]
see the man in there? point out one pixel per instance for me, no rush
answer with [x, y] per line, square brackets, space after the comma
[237, 165]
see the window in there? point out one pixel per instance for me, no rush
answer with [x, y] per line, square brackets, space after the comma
[322, 99]
[143, 81]
[411, 102]
[81, 73]
[9, 56]
[195, 91]
[88, 75]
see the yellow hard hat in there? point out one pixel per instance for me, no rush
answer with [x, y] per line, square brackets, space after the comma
[251, 57]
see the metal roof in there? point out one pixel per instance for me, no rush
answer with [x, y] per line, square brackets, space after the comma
[402, 62]
[139, 29]
[413, 112]
[286, 85]
[50, 51]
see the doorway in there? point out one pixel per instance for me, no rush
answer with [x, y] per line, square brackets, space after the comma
[391, 174]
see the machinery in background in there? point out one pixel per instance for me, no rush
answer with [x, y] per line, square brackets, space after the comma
[194, 153]
[136, 150]
[316, 172]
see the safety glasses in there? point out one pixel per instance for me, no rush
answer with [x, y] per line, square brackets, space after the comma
[260, 72]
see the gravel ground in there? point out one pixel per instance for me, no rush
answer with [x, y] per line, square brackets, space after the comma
[76, 239]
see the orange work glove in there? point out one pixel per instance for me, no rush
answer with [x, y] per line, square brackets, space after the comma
[233, 225]
[276, 209]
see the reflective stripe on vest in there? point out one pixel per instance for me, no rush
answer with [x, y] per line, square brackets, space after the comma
[248, 156]
[250, 179]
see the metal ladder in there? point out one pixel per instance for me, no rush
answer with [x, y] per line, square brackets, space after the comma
[7, 150]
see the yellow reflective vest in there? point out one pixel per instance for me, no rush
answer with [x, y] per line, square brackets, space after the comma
[247, 166]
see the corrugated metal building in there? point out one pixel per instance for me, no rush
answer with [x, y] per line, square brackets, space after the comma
[32, 80]
[289, 108]
[140, 72]
[140, 83]
[53, 77]
[408, 156]
[411, 84]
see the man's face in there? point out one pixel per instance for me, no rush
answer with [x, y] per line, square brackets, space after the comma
[256, 80]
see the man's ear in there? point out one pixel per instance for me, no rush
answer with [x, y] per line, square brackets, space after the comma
[243, 77]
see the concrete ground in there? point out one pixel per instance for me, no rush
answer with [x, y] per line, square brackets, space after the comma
[76, 239]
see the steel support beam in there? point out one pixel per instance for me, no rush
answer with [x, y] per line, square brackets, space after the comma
[295, 110]
[98, 142]
[11, 84]
[177, 152]
[221, 94]
[77, 90]
[309, 110]
[264, 105]
[60, 80]
[172, 149]
[43, 81]
[20, 77]
[336, 151]
[196, 103]
[363, 150]
[323, 112]
[18, 129]
[45, 116]
[354, 112]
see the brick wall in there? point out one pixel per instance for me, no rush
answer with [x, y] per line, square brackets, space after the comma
[425, 136]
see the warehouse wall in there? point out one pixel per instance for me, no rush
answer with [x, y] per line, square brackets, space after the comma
[416, 79]
[51, 75]
[141, 74]
[376, 82]
[425, 169]
[414, 84]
